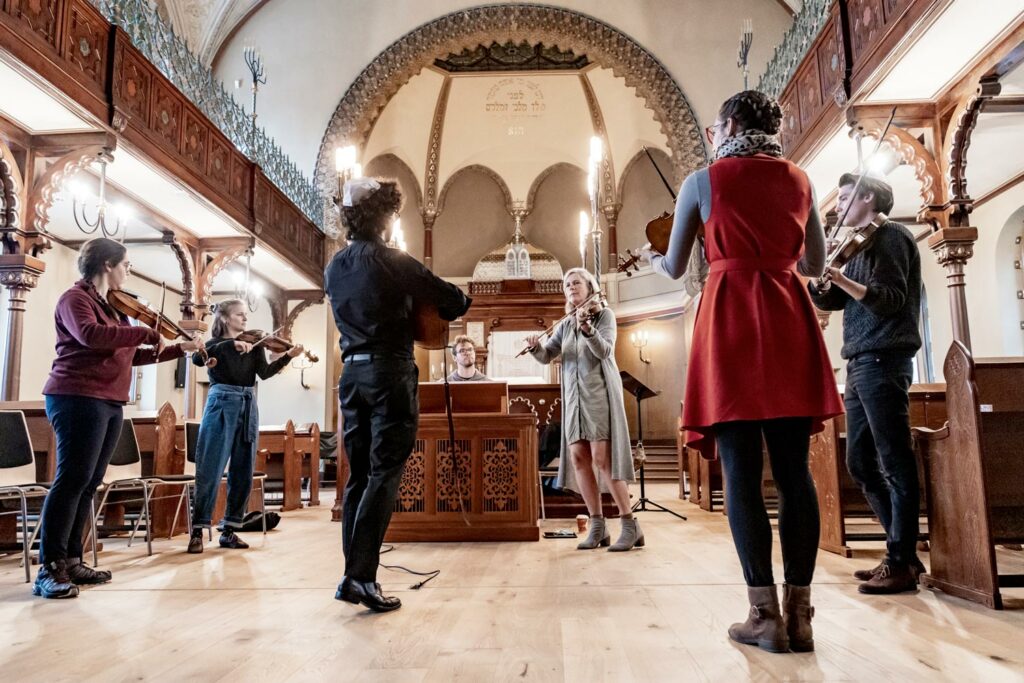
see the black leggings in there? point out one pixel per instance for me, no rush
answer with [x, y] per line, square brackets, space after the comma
[87, 430]
[739, 447]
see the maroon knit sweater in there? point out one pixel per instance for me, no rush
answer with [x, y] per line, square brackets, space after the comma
[97, 347]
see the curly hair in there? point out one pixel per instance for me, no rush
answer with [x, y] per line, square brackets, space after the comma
[752, 109]
[368, 219]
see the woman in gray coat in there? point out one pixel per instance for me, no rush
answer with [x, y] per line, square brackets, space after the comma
[594, 430]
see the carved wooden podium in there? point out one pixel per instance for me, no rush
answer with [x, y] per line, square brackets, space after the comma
[488, 490]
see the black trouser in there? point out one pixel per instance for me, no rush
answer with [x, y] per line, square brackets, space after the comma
[379, 405]
[87, 430]
[879, 449]
[739, 447]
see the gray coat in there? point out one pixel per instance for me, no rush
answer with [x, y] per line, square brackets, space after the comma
[600, 349]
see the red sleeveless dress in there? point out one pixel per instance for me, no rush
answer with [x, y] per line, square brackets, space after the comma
[757, 350]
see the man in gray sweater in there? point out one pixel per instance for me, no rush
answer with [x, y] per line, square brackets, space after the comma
[879, 292]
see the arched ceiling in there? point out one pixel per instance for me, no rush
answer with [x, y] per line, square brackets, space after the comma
[479, 124]
[314, 52]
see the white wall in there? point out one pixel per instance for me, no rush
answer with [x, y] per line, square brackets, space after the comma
[314, 49]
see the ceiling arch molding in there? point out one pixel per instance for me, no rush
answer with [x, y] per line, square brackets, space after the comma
[391, 158]
[490, 173]
[543, 175]
[926, 169]
[637, 158]
[366, 97]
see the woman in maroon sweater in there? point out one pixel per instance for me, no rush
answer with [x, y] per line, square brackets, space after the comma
[85, 394]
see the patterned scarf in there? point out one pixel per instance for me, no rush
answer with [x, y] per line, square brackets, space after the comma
[748, 143]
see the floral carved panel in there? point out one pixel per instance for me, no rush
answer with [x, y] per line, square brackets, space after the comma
[194, 148]
[454, 476]
[85, 40]
[132, 85]
[809, 93]
[165, 119]
[866, 22]
[219, 167]
[831, 63]
[412, 487]
[40, 17]
[241, 178]
[501, 475]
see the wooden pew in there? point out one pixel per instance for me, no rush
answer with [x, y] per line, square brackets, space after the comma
[290, 455]
[162, 453]
[975, 476]
[705, 476]
[839, 496]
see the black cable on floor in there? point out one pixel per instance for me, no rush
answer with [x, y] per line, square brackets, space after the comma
[431, 575]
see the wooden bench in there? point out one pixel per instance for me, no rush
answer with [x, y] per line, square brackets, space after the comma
[975, 475]
[839, 497]
[289, 455]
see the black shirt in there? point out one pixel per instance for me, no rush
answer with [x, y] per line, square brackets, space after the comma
[372, 287]
[886, 320]
[238, 369]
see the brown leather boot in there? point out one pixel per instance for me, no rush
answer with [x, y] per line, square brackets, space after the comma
[764, 627]
[796, 605]
[867, 574]
[891, 578]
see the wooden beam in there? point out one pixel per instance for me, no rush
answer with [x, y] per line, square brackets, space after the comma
[1010, 104]
[995, 192]
[218, 243]
[13, 133]
[59, 144]
[294, 294]
[998, 60]
[908, 114]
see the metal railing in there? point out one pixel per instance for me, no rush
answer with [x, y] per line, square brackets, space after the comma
[169, 53]
[794, 46]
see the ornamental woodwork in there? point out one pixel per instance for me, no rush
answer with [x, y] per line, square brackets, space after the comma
[809, 93]
[953, 247]
[166, 117]
[40, 17]
[184, 257]
[204, 284]
[367, 96]
[289, 321]
[866, 21]
[85, 41]
[195, 142]
[219, 168]
[47, 186]
[433, 164]
[607, 184]
[958, 141]
[911, 152]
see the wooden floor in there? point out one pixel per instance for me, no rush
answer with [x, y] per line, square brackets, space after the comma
[516, 611]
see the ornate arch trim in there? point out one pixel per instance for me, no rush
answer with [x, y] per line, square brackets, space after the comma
[11, 187]
[634, 160]
[915, 155]
[958, 141]
[394, 158]
[490, 173]
[543, 175]
[391, 69]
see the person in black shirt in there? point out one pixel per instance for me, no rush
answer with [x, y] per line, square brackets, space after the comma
[371, 288]
[231, 423]
[879, 293]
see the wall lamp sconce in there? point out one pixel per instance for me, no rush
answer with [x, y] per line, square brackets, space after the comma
[639, 340]
[302, 363]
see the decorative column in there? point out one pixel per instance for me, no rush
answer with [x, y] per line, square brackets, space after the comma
[429, 216]
[18, 273]
[953, 247]
[611, 217]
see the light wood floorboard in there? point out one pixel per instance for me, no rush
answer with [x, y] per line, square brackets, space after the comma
[498, 612]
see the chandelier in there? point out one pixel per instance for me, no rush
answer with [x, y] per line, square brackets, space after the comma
[245, 289]
[107, 219]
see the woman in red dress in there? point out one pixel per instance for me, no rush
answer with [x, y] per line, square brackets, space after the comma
[758, 364]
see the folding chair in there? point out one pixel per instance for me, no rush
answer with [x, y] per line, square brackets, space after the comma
[17, 476]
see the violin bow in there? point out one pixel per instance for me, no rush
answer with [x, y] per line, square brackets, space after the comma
[861, 173]
[160, 317]
[267, 336]
[660, 174]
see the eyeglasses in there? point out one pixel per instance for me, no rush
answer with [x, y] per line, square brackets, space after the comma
[465, 352]
[709, 132]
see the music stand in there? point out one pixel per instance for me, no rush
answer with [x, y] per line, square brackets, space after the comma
[632, 385]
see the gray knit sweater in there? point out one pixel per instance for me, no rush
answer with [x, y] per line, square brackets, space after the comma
[886, 320]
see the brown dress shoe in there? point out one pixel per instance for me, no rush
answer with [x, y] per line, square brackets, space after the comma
[891, 578]
[867, 574]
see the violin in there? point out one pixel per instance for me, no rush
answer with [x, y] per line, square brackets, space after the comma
[592, 305]
[658, 232]
[271, 342]
[851, 245]
[129, 304]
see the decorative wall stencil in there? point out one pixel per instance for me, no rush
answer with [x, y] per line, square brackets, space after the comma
[604, 45]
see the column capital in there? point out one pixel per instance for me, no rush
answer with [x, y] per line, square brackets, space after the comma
[953, 246]
[20, 271]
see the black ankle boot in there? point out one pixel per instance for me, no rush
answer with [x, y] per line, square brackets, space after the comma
[54, 582]
[195, 541]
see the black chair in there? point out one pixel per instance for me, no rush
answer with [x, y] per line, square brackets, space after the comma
[17, 476]
[124, 473]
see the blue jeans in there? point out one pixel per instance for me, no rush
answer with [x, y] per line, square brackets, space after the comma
[879, 450]
[740, 449]
[229, 430]
[87, 430]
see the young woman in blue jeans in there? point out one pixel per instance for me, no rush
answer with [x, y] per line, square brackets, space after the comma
[231, 423]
